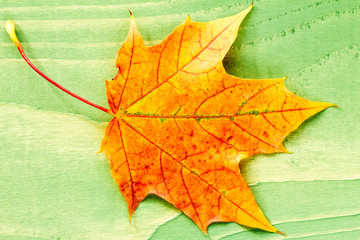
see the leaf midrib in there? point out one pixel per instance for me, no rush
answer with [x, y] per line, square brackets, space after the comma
[215, 116]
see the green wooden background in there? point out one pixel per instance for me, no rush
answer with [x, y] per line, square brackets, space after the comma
[54, 186]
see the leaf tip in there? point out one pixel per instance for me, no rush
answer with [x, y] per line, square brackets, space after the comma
[245, 12]
[131, 223]
[327, 105]
[279, 232]
[131, 15]
[131, 212]
[188, 18]
[282, 149]
[287, 151]
[249, 8]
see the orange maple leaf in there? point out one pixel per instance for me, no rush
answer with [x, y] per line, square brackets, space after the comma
[182, 124]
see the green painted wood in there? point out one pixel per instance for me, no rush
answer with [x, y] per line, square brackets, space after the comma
[54, 186]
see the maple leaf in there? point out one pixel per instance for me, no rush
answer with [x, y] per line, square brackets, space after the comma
[182, 124]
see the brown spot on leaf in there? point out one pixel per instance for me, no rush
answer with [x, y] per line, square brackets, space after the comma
[266, 134]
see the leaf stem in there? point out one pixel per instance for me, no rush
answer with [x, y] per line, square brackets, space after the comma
[10, 28]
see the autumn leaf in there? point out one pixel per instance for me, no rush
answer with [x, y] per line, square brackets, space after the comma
[182, 124]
